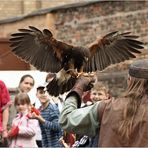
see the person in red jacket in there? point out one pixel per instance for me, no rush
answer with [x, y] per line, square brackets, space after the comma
[5, 102]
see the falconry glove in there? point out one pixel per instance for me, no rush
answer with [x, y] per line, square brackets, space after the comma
[82, 84]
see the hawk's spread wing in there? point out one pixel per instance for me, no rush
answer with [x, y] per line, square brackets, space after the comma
[39, 48]
[112, 48]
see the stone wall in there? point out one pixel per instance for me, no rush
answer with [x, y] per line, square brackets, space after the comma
[83, 25]
[14, 8]
[10, 8]
[116, 82]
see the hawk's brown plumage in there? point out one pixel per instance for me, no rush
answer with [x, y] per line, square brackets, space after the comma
[42, 50]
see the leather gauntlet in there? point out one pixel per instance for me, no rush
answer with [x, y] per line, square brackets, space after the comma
[82, 84]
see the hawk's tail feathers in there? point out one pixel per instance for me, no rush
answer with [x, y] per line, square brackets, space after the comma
[55, 89]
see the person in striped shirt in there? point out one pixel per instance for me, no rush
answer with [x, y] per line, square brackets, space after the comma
[48, 119]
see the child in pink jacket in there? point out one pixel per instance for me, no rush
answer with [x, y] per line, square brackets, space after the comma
[22, 133]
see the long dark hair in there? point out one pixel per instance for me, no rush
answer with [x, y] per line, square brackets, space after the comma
[136, 90]
[25, 76]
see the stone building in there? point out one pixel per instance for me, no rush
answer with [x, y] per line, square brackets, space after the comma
[13, 8]
[80, 23]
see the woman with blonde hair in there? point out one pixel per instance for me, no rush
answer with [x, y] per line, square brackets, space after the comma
[121, 122]
[136, 97]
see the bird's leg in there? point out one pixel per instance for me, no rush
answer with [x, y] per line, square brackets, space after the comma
[62, 76]
[80, 72]
[72, 72]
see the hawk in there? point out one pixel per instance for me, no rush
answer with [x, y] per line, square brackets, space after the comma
[42, 50]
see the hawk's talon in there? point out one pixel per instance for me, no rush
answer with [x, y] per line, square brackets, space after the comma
[80, 74]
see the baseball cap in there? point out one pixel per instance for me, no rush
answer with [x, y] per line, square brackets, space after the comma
[42, 85]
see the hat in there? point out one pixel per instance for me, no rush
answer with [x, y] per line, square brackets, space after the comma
[139, 69]
[42, 85]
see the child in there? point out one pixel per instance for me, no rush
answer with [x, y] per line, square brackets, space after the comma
[99, 92]
[48, 118]
[22, 133]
